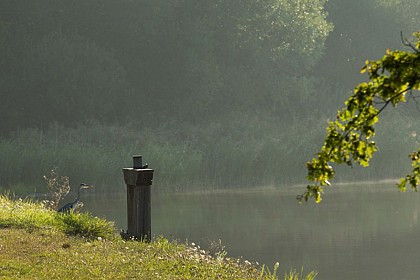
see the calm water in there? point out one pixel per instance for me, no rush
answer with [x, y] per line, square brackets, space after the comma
[357, 232]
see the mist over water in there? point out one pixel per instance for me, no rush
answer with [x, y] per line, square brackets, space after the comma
[365, 231]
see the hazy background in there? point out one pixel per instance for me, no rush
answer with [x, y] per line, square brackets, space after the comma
[212, 93]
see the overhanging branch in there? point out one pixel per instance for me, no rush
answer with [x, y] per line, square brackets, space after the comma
[407, 43]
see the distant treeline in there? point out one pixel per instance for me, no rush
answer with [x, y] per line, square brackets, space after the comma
[158, 61]
[233, 85]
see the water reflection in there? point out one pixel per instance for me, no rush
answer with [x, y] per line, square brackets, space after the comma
[357, 232]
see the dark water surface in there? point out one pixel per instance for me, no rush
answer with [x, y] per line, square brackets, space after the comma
[357, 232]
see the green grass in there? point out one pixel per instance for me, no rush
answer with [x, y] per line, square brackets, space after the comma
[37, 243]
[29, 215]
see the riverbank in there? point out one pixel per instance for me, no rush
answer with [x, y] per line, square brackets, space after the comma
[37, 243]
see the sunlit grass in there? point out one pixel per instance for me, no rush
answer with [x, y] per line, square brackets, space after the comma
[53, 255]
[20, 213]
[29, 215]
[38, 243]
[294, 275]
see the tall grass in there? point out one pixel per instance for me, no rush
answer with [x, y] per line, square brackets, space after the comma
[243, 152]
[29, 215]
[186, 157]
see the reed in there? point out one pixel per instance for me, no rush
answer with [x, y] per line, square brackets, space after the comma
[237, 154]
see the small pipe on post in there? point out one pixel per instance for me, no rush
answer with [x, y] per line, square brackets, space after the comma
[139, 211]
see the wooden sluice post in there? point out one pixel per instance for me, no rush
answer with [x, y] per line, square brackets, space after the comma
[139, 209]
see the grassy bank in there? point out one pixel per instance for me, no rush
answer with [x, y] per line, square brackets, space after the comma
[38, 243]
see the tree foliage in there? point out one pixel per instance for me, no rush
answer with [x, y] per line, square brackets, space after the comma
[181, 60]
[349, 138]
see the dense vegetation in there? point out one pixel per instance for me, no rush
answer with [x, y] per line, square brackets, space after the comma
[37, 243]
[214, 93]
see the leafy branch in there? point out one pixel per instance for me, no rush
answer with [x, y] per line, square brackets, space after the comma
[349, 137]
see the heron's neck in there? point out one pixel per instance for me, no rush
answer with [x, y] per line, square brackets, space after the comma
[78, 194]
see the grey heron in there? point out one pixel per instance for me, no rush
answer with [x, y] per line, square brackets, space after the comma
[69, 207]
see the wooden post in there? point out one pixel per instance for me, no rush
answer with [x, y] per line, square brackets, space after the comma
[139, 211]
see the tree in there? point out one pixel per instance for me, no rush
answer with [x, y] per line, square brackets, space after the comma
[179, 61]
[349, 139]
[203, 59]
